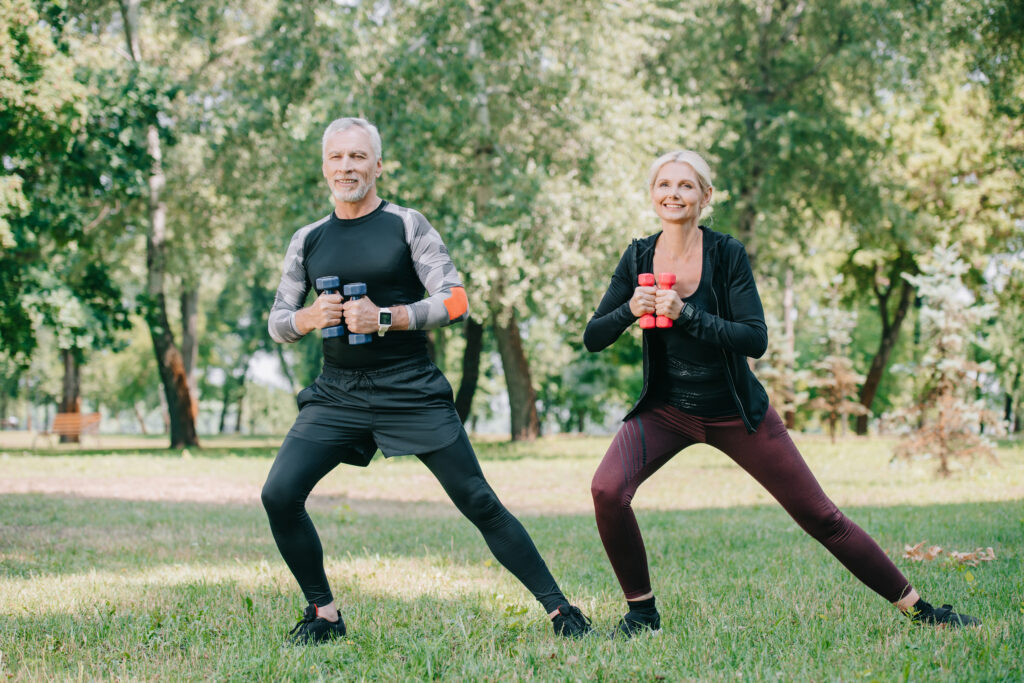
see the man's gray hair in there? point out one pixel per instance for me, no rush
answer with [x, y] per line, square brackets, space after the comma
[344, 124]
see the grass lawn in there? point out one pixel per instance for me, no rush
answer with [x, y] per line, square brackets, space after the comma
[143, 563]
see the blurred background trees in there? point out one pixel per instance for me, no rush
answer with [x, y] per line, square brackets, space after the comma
[157, 157]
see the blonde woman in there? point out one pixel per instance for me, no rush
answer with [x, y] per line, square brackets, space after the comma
[698, 388]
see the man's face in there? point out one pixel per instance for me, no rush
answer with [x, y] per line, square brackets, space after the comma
[350, 166]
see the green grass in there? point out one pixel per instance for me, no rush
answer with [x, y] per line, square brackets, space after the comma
[150, 565]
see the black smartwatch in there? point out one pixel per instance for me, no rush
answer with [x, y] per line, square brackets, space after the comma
[383, 320]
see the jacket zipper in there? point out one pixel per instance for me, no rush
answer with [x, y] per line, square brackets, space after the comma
[728, 374]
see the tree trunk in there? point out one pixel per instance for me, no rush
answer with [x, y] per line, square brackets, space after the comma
[141, 418]
[748, 195]
[71, 400]
[1008, 411]
[165, 414]
[190, 341]
[522, 397]
[168, 357]
[241, 402]
[474, 333]
[788, 316]
[890, 335]
[225, 404]
[285, 368]
[437, 346]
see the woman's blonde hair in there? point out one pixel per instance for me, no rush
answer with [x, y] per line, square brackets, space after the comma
[685, 156]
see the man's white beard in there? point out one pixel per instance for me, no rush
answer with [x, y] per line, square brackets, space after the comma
[355, 195]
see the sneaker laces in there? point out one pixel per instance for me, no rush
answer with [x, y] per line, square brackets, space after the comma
[308, 617]
[569, 616]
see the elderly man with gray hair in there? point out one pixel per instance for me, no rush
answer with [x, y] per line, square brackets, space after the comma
[384, 394]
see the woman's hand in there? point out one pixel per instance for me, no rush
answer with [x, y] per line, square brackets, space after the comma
[668, 303]
[642, 301]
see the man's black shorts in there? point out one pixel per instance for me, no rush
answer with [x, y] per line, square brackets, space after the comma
[403, 409]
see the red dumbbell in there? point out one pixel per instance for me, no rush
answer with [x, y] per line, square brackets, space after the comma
[647, 321]
[665, 281]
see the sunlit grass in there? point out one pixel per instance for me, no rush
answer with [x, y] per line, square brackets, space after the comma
[146, 566]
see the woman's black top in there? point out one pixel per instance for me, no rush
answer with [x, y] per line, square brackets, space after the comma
[733, 321]
[694, 379]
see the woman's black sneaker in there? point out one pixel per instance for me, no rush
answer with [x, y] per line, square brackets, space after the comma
[924, 613]
[635, 623]
[314, 629]
[570, 622]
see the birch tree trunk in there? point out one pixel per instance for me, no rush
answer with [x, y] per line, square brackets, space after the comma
[170, 361]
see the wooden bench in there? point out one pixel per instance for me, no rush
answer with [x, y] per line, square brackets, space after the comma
[71, 424]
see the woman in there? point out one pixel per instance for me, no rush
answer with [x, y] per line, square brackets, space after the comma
[698, 388]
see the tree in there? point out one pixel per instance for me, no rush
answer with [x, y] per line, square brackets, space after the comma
[499, 147]
[773, 84]
[835, 380]
[778, 372]
[154, 92]
[177, 61]
[942, 178]
[39, 113]
[949, 416]
[1007, 332]
[60, 156]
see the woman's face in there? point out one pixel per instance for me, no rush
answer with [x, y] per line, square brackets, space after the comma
[676, 193]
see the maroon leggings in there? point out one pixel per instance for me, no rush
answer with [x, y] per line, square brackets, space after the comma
[650, 439]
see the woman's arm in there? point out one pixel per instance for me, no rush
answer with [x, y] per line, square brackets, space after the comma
[613, 314]
[746, 333]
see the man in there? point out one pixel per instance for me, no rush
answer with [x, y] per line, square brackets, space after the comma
[386, 393]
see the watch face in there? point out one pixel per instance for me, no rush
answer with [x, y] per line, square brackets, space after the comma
[384, 318]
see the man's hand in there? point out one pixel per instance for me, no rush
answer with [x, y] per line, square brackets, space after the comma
[325, 311]
[361, 316]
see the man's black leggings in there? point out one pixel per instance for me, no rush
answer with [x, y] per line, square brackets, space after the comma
[300, 464]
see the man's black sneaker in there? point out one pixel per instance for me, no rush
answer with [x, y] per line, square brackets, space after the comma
[570, 622]
[635, 623]
[924, 613]
[314, 629]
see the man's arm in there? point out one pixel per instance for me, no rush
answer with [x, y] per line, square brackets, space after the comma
[446, 301]
[288, 321]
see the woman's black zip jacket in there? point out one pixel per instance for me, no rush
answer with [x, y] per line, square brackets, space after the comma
[737, 325]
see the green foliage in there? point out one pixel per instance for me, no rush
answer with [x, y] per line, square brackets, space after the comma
[39, 112]
[949, 420]
[851, 135]
[835, 383]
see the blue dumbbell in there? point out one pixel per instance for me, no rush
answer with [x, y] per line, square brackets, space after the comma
[354, 292]
[330, 285]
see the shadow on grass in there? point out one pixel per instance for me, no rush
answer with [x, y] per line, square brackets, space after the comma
[560, 449]
[60, 534]
[205, 593]
[213, 452]
[223, 631]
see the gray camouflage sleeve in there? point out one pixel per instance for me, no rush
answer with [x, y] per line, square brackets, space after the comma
[291, 292]
[446, 301]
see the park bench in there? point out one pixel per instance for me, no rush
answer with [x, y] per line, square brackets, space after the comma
[71, 424]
